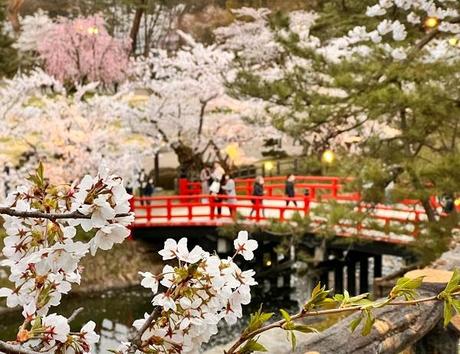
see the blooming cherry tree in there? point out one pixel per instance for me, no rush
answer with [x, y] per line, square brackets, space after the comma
[82, 51]
[40, 121]
[186, 103]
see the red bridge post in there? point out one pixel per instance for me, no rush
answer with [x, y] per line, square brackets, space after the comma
[334, 187]
[183, 186]
[168, 209]
[306, 204]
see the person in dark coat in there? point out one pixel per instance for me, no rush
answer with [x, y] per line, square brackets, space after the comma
[218, 199]
[258, 191]
[141, 179]
[447, 203]
[149, 189]
[289, 189]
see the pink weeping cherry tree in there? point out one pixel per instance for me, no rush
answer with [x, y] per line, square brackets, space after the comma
[81, 50]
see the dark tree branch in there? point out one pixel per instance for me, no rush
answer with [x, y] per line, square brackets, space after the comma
[50, 216]
[204, 103]
[136, 25]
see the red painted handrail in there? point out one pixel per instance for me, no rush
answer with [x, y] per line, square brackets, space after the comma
[191, 208]
[275, 185]
[195, 210]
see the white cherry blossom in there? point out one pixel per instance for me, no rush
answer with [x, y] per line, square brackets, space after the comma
[56, 329]
[244, 246]
[149, 281]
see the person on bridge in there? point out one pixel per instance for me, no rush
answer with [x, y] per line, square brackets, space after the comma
[205, 178]
[149, 189]
[228, 185]
[217, 175]
[218, 196]
[217, 172]
[289, 189]
[258, 191]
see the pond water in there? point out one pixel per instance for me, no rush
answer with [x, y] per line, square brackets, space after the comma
[115, 310]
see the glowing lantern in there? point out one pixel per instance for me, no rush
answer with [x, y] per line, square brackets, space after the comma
[453, 41]
[268, 166]
[328, 157]
[457, 202]
[431, 22]
[233, 152]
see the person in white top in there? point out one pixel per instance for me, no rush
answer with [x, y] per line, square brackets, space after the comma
[218, 172]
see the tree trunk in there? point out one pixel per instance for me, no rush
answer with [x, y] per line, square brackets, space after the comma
[13, 13]
[136, 25]
[190, 162]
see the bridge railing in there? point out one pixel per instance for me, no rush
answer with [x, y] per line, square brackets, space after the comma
[315, 186]
[380, 220]
[202, 208]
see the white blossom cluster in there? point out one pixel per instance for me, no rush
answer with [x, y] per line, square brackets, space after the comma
[252, 39]
[41, 121]
[43, 254]
[186, 102]
[416, 12]
[198, 292]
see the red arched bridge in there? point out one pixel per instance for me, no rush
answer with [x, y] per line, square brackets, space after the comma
[191, 208]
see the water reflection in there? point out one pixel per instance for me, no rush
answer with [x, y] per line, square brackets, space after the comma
[114, 311]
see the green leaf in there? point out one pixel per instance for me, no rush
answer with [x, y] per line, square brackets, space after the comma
[355, 323]
[252, 346]
[293, 340]
[448, 311]
[345, 300]
[456, 305]
[40, 171]
[257, 320]
[368, 323]
[285, 315]
[452, 285]
[406, 287]
[305, 329]
[318, 298]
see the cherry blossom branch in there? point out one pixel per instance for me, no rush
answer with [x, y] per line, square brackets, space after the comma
[50, 216]
[75, 314]
[16, 349]
[303, 314]
[136, 340]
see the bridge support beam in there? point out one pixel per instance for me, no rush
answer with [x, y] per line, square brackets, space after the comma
[324, 278]
[351, 277]
[377, 266]
[364, 274]
[338, 279]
